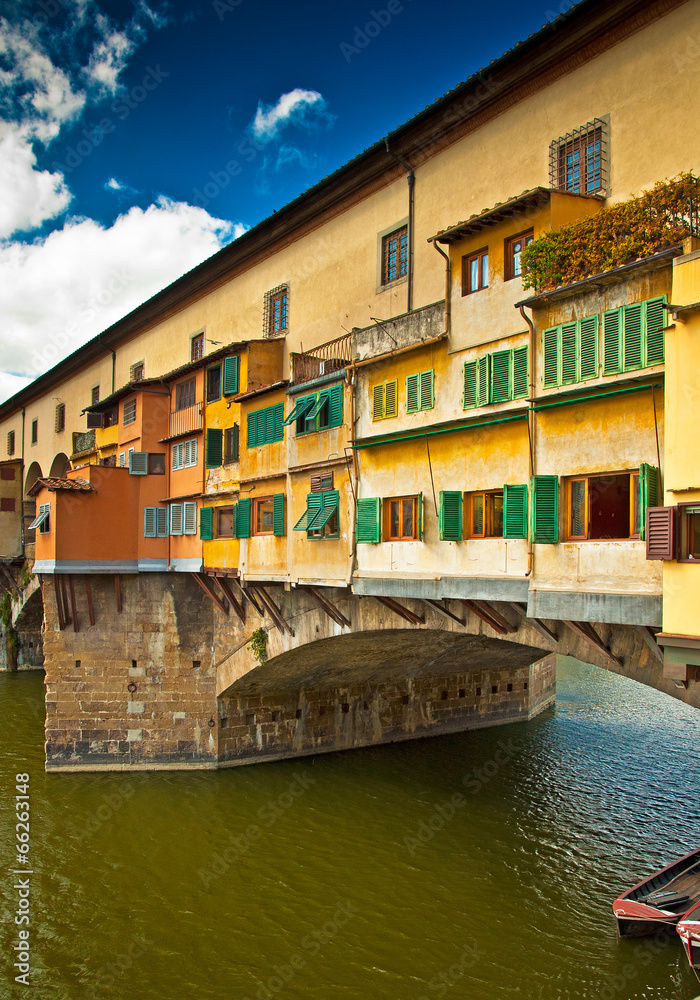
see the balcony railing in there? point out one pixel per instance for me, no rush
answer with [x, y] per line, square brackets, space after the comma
[184, 421]
[322, 360]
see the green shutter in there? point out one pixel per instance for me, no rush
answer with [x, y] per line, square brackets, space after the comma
[550, 357]
[588, 348]
[470, 397]
[425, 389]
[318, 405]
[300, 409]
[654, 340]
[515, 511]
[649, 489]
[329, 506]
[335, 406]
[412, 393]
[215, 448]
[231, 375]
[500, 376]
[278, 422]
[235, 520]
[206, 523]
[612, 343]
[633, 336]
[314, 502]
[278, 514]
[243, 525]
[545, 509]
[368, 527]
[419, 517]
[450, 520]
[252, 430]
[521, 382]
[484, 369]
[568, 353]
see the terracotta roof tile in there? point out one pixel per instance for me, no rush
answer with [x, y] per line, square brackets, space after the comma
[54, 484]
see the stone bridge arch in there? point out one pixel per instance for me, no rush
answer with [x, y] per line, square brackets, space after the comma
[59, 466]
[33, 473]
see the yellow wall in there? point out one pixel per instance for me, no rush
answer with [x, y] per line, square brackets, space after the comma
[11, 521]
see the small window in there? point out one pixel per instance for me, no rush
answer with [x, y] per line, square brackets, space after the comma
[42, 521]
[689, 516]
[321, 482]
[60, 418]
[485, 514]
[263, 516]
[578, 161]
[327, 520]
[224, 522]
[111, 417]
[395, 255]
[514, 248]
[35, 431]
[420, 391]
[601, 507]
[122, 459]
[213, 384]
[475, 272]
[231, 444]
[385, 400]
[276, 312]
[129, 411]
[138, 371]
[156, 463]
[95, 394]
[7, 472]
[197, 347]
[401, 519]
[184, 454]
[8, 504]
[185, 394]
[10, 442]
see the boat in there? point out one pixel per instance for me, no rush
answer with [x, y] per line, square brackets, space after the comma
[689, 929]
[661, 900]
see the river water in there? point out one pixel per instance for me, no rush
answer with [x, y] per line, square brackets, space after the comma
[480, 865]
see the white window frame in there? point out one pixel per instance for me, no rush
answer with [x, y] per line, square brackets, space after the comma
[184, 454]
[42, 521]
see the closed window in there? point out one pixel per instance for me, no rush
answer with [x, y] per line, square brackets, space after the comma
[137, 371]
[395, 255]
[10, 442]
[265, 426]
[420, 393]
[129, 411]
[213, 384]
[276, 311]
[197, 347]
[263, 516]
[689, 516]
[514, 248]
[184, 454]
[224, 522]
[475, 271]
[578, 161]
[60, 418]
[231, 444]
[401, 519]
[185, 394]
[385, 400]
[8, 504]
[95, 394]
[35, 431]
[485, 514]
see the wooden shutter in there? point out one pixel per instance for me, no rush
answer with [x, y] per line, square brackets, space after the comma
[314, 502]
[654, 336]
[419, 516]
[378, 410]
[450, 518]
[470, 395]
[633, 336]
[588, 348]
[335, 405]
[612, 343]
[231, 375]
[206, 523]
[278, 422]
[515, 511]
[252, 430]
[426, 384]
[412, 393]
[568, 353]
[138, 463]
[521, 384]
[391, 399]
[149, 522]
[269, 425]
[175, 518]
[660, 532]
[190, 518]
[215, 449]
[545, 509]
[278, 514]
[161, 522]
[484, 369]
[330, 502]
[500, 376]
[550, 357]
[368, 526]
[321, 482]
[649, 483]
[243, 526]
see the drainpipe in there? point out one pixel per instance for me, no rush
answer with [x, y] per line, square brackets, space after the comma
[24, 553]
[531, 417]
[448, 286]
[351, 375]
[411, 186]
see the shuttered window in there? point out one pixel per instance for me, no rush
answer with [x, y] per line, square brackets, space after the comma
[176, 520]
[420, 393]
[633, 336]
[129, 411]
[42, 521]
[265, 426]
[324, 522]
[660, 532]
[649, 495]
[314, 503]
[385, 400]
[368, 519]
[189, 519]
[570, 353]
[318, 412]
[610, 505]
[184, 454]
[215, 448]
[450, 516]
[138, 463]
[243, 522]
[206, 523]
[515, 511]
[321, 482]
[545, 509]
[232, 368]
[155, 522]
[278, 514]
[231, 438]
[496, 378]
[299, 411]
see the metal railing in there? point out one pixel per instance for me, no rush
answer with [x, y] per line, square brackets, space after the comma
[184, 421]
[83, 442]
[323, 360]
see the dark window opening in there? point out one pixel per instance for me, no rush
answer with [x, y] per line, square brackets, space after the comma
[602, 507]
[231, 439]
[95, 394]
[509, 687]
[689, 533]
[478, 692]
[276, 716]
[156, 463]
[298, 713]
[346, 707]
[494, 689]
[35, 431]
[197, 347]
[224, 522]
[462, 693]
[213, 384]
[443, 695]
[185, 393]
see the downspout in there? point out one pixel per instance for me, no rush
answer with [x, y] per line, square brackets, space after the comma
[411, 185]
[22, 501]
[351, 376]
[448, 286]
[531, 427]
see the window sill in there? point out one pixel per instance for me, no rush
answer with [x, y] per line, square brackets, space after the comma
[392, 284]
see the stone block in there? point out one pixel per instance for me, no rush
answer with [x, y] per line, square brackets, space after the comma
[135, 708]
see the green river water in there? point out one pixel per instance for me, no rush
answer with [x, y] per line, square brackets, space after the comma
[358, 875]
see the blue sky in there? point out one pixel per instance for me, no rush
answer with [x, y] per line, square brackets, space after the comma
[137, 137]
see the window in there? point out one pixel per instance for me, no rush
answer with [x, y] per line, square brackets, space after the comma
[395, 255]
[231, 444]
[321, 482]
[155, 522]
[320, 519]
[385, 398]
[367, 519]
[570, 352]
[268, 515]
[60, 418]
[232, 370]
[129, 411]
[633, 336]
[496, 378]
[95, 394]
[578, 161]
[689, 543]
[514, 247]
[319, 411]
[43, 519]
[197, 347]
[156, 463]
[402, 518]
[122, 459]
[225, 522]
[184, 454]
[265, 426]
[7, 472]
[8, 504]
[183, 518]
[138, 463]
[276, 312]
[138, 371]
[420, 392]
[111, 417]
[10, 442]
[611, 505]
[485, 514]
[35, 431]
[185, 394]
[475, 272]
[213, 384]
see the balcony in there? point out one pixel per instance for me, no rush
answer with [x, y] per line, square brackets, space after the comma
[82, 443]
[323, 360]
[184, 421]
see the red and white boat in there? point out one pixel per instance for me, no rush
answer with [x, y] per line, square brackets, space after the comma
[661, 899]
[689, 929]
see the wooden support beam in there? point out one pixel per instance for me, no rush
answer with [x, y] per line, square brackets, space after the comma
[328, 606]
[118, 592]
[497, 616]
[229, 595]
[587, 632]
[88, 594]
[74, 610]
[208, 588]
[64, 598]
[444, 610]
[275, 612]
[11, 580]
[59, 603]
[248, 592]
[536, 623]
[650, 639]
[401, 611]
[484, 615]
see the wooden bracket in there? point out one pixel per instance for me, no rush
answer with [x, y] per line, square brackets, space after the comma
[88, 595]
[233, 600]
[497, 616]
[249, 593]
[64, 601]
[274, 611]
[59, 603]
[118, 593]
[208, 588]
[74, 610]
[328, 606]
[587, 632]
[442, 609]
[401, 611]
[10, 578]
[650, 639]
[536, 623]
[485, 616]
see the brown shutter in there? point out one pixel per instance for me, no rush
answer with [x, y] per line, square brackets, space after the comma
[321, 482]
[660, 532]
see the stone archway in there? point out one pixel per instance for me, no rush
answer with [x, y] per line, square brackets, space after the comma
[59, 466]
[33, 473]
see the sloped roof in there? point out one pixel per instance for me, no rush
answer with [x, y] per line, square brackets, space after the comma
[54, 484]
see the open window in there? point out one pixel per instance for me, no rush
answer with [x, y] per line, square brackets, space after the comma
[485, 514]
[42, 521]
[611, 505]
[689, 532]
[402, 519]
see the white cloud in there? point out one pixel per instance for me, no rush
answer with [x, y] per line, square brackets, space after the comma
[110, 55]
[28, 196]
[301, 107]
[58, 292]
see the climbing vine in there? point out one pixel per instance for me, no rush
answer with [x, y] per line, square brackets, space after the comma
[639, 227]
[258, 644]
[11, 636]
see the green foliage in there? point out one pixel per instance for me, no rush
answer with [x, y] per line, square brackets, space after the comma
[6, 608]
[27, 576]
[637, 228]
[258, 644]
